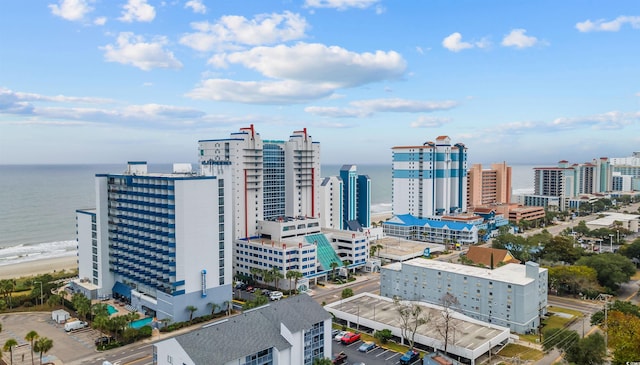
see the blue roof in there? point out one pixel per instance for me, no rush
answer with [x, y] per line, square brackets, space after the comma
[122, 289]
[409, 220]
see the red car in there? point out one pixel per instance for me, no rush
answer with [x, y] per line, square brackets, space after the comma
[350, 338]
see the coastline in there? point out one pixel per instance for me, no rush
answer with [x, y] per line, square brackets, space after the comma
[38, 267]
[55, 264]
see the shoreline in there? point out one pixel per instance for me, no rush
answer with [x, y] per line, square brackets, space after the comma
[68, 263]
[38, 267]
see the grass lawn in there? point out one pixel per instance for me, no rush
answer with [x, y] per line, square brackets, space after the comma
[524, 352]
[574, 313]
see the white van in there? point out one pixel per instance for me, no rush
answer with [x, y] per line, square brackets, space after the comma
[275, 295]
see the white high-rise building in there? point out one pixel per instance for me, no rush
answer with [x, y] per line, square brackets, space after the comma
[331, 202]
[271, 179]
[157, 241]
[430, 179]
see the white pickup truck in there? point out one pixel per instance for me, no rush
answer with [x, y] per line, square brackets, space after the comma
[75, 325]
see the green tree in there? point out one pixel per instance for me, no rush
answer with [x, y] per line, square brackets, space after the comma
[43, 345]
[8, 346]
[82, 305]
[214, 307]
[334, 266]
[295, 276]
[31, 337]
[631, 251]
[53, 300]
[346, 293]
[561, 248]
[624, 336]
[612, 269]
[573, 279]
[619, 306]
[7, 287]
[276, 275]
[383, 335]
[191, 309]
[588, 351]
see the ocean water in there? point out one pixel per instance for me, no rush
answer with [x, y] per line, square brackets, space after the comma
[38, 203]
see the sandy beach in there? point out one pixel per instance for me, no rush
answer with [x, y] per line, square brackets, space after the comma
[44, 266]
[37, 267]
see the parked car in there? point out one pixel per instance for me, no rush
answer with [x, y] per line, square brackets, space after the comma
[350, 338]
[334, 332]
[276, 295]
[409, 357]
[339, 336]
[250, 289]
[103, 340]
[340, 358]
[367, 346]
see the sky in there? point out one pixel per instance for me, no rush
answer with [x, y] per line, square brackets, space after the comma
[526, 82]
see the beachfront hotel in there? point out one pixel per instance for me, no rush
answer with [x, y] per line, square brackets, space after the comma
[345, 200]
[430, 179]
[158, 242]
[271, 178]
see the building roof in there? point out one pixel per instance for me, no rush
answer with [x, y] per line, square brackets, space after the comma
[482, 255]
[409, 220]
[509, 273]
[228, 339]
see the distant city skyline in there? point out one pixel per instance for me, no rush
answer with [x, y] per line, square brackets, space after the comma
[86, 81]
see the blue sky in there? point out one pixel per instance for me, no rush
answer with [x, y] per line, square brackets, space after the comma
[107, 81]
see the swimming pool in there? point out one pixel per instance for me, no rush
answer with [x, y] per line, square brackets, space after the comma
[111, 309]
[141, 322]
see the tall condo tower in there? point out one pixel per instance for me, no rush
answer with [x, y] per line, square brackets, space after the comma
[271, 178]
[356, 195]
[430, 179]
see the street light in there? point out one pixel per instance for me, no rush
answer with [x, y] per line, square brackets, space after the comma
[41, 293]
[611, 241]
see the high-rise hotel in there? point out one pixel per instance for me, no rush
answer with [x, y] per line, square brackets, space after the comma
[430, 179]
[271, 179]
[158, 241]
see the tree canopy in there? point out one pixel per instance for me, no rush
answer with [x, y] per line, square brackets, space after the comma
[612, 269]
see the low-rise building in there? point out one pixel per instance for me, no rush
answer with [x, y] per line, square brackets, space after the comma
[514, 296]
[431, 230]
[292, 331]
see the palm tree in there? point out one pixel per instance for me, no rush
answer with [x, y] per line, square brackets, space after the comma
[8, 346]
[31, 336]
[346, 266]
[334, 266]
[289, 276]
[7, 286]
[227, 306]
[295, 275]
[276, 275]
[213, 306]
[191, 309]
[43, 345]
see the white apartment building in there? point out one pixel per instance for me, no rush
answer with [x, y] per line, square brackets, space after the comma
[292, 331]
[331, 202]
[430, 179]
[158, 241]
[512, 296]
[271, 179]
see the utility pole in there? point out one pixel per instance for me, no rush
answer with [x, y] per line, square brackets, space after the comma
[605, 298]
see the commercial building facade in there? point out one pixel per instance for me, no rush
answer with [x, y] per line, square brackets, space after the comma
[158, 241]
[513, 296]
[488, 186]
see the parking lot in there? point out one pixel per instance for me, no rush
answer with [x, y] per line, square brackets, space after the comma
[377, 356]
[67, 347]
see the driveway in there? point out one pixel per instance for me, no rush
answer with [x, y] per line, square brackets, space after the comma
[66, 346]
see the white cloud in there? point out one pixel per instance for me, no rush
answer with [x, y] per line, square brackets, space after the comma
[231, 31]
[72, 10]
[133, 50]
[100, 20]
[137, 11]
[518, 39]
[342, 4]
[608, 26]
[365, 108]
[453, 42]
[430, 122]
[197, 6]
[613, 120]
[259, 92]
[314, 63]
[403, 105]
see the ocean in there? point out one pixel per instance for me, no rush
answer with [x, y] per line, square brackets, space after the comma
[38, 203]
